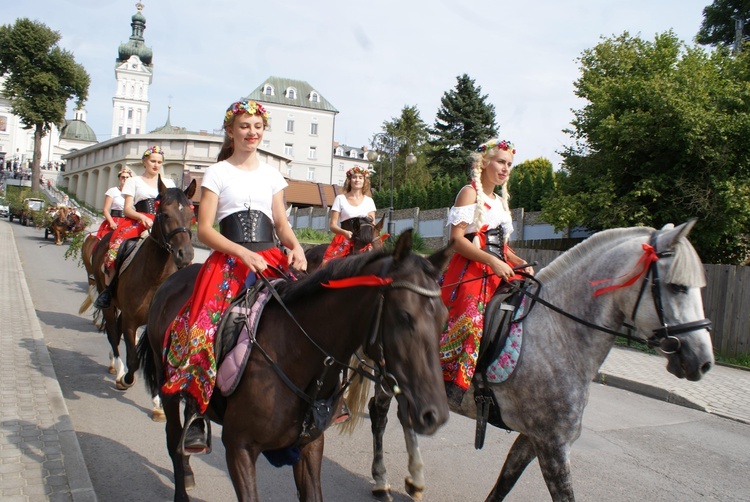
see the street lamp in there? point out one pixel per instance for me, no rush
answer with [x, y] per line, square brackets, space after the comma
[390, 143]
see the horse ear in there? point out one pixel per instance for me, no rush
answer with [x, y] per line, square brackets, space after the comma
[379, 226]
[440, 258]
[403, 246]
[190, 190]
[161, 185]
[671, 234]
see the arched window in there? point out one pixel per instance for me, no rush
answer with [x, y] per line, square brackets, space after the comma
[268, 90]
[314, 97]
[291, 93]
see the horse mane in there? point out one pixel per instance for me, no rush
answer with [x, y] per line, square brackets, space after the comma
[335, 269]
[686, 268]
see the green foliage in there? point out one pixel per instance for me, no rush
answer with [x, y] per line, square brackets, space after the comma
[463, 122]
[718, 26]
[661, 139]
[74, 248]
[312, 236]
[40, 79]
[530, 182]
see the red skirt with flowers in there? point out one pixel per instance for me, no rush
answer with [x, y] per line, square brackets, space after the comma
[340, 246]
[127, 229]
[104, 228]
[190, 362]
[467, 287]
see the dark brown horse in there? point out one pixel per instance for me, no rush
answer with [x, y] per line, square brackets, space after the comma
[87, 255]
[364, 232]
[264, 413]
[59, 224]
[168, 248]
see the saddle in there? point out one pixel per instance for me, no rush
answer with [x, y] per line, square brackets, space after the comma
[498, 317]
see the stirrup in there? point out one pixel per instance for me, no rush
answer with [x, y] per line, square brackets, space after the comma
[344, 414]
[198, 447]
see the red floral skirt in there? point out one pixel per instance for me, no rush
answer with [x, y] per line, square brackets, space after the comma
[104, 228]
[190, 362]
[128, 229]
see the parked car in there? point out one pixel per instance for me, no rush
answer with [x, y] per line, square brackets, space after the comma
[4, 210]
[30, 208]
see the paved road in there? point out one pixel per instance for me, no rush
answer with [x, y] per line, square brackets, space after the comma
[632, 447]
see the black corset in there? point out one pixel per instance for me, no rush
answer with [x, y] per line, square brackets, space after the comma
[116, 213]
[495, 241]
[251, 228]
[147, 206]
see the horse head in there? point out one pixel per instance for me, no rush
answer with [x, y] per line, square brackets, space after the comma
[404, 341]
[172, 222]
[366, 232]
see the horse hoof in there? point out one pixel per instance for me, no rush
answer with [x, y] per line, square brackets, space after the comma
[414, 491]
[158, 416]
[111, 370]
[383, 494]
[121, 384]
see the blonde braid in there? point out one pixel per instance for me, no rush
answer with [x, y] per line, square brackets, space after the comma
[476, 176]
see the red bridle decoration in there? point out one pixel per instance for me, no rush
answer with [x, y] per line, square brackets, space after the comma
[649, 256]
[362, 280]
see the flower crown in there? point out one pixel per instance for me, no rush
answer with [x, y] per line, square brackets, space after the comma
[500, 144]
[364, 171]
[244, 106]
[153, 149]
[125, 170]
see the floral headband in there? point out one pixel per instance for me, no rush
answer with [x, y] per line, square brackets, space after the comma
[500, 144]
[153, 149]
[125, 170]
[245, 106]
[366, 172]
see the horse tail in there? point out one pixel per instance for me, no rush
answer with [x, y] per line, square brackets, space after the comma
[148, 365]
[89, 300]
[356, 397]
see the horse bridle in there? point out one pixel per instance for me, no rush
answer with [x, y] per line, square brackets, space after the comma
[666, 338]
[167, 237]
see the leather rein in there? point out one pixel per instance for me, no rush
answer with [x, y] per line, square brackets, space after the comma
[165, 238]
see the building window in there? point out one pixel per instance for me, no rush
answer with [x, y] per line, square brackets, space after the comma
[291, 93]
[340, 152]
[314, 98]
[341, 166]
[289, 125]
[268, 90]
[128, 131]
[266, 143]
[313, 129]
[310, 174]
[312, 153]
[268, 126]
[353, 153]
[130, 113]
[288, 171]
[119, 131]
[288, 150]
[137, 130]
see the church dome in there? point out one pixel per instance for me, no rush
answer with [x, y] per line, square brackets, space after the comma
[78, 130]
[136, 46]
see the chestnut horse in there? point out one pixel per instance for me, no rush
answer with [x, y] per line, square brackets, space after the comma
[168, 248]
[654, 285]
[397, 296]
[59, 224]
[364, 232]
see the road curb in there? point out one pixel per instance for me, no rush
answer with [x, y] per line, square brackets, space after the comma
[649, 391]
[81, 488]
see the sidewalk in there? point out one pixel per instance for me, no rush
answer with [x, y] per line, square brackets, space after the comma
[723, 391]
[40, 458]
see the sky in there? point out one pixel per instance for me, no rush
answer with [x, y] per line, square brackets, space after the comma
[368, 59]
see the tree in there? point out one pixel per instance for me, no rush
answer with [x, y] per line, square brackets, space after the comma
[463, 122]
[662, 138]
[719, 22]
[40, 79]
[530, 182]
[411, 135]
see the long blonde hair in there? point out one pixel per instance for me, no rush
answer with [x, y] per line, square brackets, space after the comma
[480, 158]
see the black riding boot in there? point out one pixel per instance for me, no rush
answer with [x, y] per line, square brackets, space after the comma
[194, 440]
[105, 299]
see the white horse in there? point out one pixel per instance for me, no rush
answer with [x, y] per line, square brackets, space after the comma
[656, 280]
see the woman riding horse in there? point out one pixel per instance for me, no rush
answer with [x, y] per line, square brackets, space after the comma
[247, 197]
[114, 205]
[140, 193]
[352, 205]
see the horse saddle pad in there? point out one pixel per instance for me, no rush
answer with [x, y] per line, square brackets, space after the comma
[127, 252]
[235, 335]
[498, 317]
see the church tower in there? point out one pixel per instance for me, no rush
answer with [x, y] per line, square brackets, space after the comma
[134, 72]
